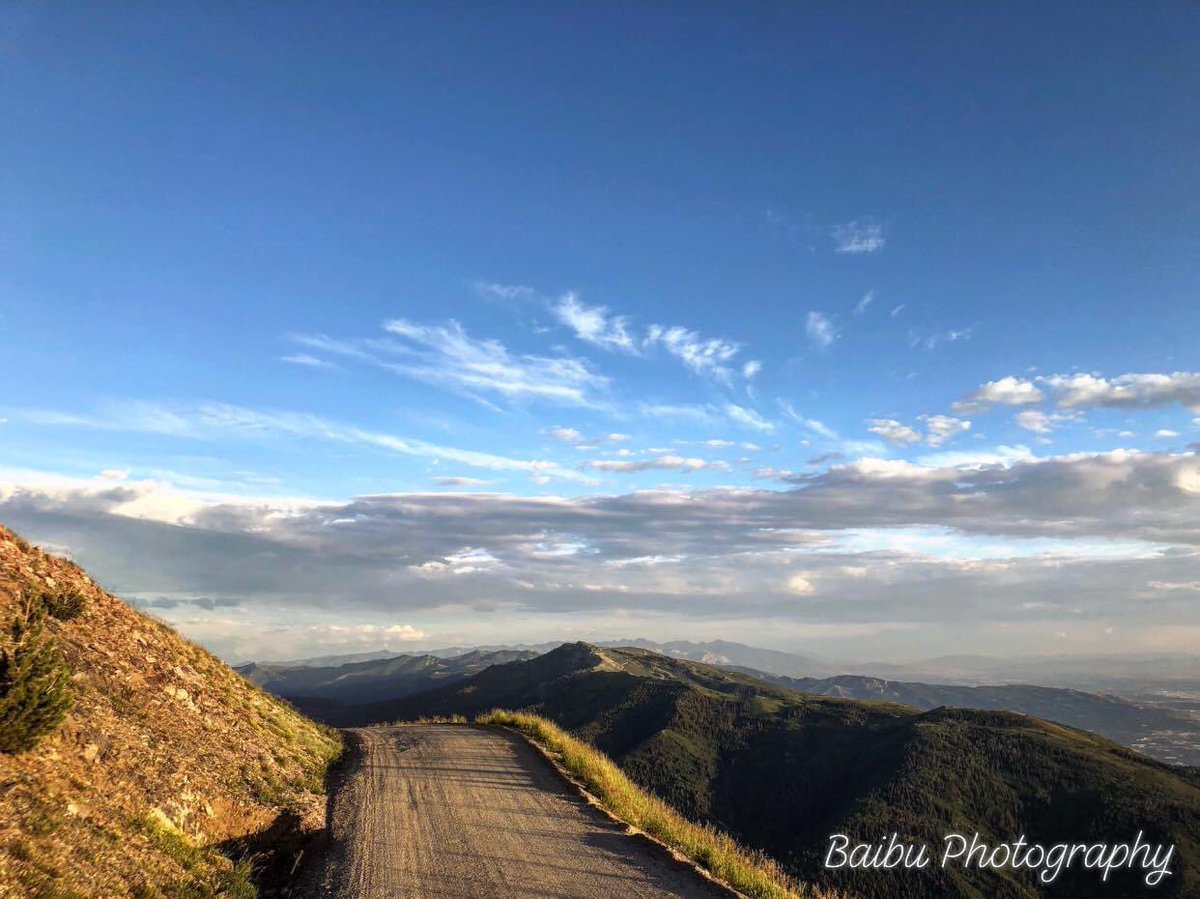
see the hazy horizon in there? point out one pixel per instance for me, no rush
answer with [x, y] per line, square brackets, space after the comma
[860, 332]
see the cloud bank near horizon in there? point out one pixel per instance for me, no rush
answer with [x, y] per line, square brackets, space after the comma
[1079, 552]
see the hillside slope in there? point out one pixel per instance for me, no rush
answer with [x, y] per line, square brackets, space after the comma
[165, 755]
[782, 770]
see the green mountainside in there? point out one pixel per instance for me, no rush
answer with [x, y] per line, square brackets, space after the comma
[1162, 733]
[782, 770]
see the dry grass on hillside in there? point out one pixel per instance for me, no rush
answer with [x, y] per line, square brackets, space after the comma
[165, 754]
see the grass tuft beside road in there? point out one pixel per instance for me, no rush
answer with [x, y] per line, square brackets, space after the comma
[751, 873]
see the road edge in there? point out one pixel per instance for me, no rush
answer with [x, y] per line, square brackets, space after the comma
[653, 843]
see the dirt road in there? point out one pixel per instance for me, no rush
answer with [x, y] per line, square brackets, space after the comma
[452, 811]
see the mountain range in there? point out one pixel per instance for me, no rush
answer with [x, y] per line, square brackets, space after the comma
[332, 693]
[325, 689]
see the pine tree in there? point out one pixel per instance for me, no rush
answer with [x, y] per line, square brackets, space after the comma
[34, 684]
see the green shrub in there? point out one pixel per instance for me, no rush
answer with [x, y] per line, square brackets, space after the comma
[65, 605]
[34, 690]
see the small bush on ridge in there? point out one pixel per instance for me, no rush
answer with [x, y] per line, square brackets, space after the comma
[34, 684]
[65, 605]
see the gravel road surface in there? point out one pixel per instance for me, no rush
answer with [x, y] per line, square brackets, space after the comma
[453, 811]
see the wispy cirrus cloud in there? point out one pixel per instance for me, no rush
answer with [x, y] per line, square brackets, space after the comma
[859, 236]
[933, 341]
[447, 356]
[307, 361]
[210, 421]
[495, 291]
[821, 330]
[595, 325]
[817, 427]
[748, 418]
[711, 357]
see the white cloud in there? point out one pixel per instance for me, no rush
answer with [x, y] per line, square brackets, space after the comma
[566, 435]
[371, 633]
[893, 431]
[1007, 391]
[940, 429]
[748, 417]
[1004, 456]
[952, 336]
[860, 236]
[896, 310]
[770, 473]
[800, 585]
[1189, 586]
[943, 428]
[861, 306]
[699, 414]
[578, 440]
[458, 481]
[751, 368]
[820, 329]
[1134, 390]
[1035, 420]
[1165, 434]
[1093, 529]
[668, 462]
[508, 292]
[594, 325]
[308, 361]
[469, 560]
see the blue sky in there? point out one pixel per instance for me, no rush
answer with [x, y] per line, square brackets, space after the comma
[258, 258]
